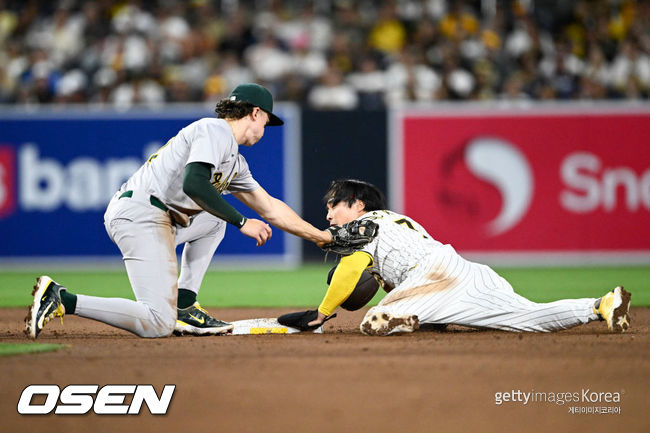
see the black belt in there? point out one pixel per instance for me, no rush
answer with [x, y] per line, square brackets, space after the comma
[152, 199]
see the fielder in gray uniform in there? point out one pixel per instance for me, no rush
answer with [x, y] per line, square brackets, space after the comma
[429, 282]
[176, 198]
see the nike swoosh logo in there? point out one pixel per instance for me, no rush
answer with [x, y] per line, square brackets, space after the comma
[40, 321]
[201, 320]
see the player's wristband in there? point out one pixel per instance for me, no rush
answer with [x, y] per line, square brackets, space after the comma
[242, 223]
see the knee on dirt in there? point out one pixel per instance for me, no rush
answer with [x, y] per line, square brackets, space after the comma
[158, 325]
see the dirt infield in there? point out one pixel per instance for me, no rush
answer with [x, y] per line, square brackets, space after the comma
[342, 381]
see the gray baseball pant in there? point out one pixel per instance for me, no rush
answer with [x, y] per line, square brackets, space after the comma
[147, 239]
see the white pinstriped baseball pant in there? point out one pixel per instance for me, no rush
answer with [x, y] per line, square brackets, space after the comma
[482, 298]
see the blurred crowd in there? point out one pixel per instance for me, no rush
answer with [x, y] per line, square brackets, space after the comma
[327, 54]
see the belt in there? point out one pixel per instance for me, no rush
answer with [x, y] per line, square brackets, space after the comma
[152, 199]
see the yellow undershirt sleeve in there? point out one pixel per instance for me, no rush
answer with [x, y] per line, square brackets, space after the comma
[344, 280]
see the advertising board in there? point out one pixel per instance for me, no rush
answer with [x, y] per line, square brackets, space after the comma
[59, 169]
[549, 183]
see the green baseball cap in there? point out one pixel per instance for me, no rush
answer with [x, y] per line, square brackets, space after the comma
[259, 96]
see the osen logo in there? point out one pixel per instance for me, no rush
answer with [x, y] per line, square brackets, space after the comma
[81, 399]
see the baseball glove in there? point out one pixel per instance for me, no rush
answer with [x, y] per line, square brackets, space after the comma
[351, 237]
[300, 320]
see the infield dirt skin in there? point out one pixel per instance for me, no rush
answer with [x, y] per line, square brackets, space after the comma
[339, 381]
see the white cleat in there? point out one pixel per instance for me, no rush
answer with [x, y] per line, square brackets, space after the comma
[385, 324]
[46, 304]
[614, 308]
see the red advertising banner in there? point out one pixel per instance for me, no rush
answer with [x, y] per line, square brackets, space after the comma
[7, 175]
[530, 182]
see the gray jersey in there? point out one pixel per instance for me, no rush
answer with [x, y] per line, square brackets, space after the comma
[147, 237]
[207, 140]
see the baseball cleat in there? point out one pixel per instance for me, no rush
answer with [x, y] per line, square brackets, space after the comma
[194, 320]
[385, 324]
[46, 305]
[614, 308]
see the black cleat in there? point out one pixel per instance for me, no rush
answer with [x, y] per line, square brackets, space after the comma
[46, 305]
[194, 320]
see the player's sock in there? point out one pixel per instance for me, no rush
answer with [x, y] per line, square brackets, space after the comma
[69, 301]
[186, 298]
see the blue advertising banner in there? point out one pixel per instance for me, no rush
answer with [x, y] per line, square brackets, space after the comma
[59, 169]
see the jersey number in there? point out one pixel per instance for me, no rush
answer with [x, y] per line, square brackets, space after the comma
[408, 224]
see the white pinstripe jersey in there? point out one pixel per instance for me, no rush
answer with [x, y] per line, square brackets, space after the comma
[405, 255]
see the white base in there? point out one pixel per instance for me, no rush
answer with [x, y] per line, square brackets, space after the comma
[264, 326]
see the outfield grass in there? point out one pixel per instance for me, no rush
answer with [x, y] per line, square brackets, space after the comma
[7, 349]
[306, 286]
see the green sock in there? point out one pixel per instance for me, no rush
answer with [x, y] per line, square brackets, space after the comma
[69, 301]
[186, 298]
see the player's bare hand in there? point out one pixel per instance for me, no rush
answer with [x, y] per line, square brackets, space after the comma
[319, 320]
[258, 230]
[326, 238]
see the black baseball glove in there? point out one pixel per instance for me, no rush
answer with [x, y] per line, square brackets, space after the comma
[351, 237]
[300, 320]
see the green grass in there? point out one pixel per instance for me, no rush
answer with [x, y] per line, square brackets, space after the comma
[7, 349]
[551, 284]
[306, 286]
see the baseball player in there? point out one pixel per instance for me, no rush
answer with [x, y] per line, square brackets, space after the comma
[176, 198]
[428, 282]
